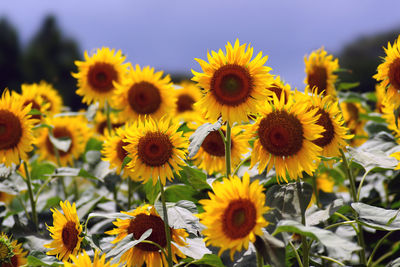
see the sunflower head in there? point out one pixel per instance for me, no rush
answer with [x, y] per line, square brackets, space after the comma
[66, 232]
[98, 73]
[233, 216]
[284, 135]
[19, 258]
[83, 260]
[51, 98]
[144, 218]
[351, 113]
[155, 149]
[6, 249]
[100, 121]
[234, 85]
[186, 95]
[144, 92]
[380, 93]
[278, 87]
[320, 68]
[16, 137]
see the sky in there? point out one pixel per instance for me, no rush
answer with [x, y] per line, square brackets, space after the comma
[168, 35]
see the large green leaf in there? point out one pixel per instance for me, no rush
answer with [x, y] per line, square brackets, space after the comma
[176, 192]
[315, 216]
[209, 260]
[377, 218]
[41, 170]
[194, 177]
[39, 259]
[197, 138]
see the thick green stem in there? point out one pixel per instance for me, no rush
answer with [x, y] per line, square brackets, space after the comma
[108, 110]
[228, 149]
[260, 261]
[30, 191]
[296, 253]
[166, 225]
[360, 234]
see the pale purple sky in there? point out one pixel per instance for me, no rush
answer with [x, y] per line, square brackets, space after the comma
[168, 35]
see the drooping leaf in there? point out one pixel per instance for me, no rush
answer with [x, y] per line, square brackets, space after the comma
[315, 216]
[377, 218]
[197, 138]
[125, 244]
[84, 209]
[195, 248]
[151, 190]
[272, 249]
[347, 86]
[62, 144]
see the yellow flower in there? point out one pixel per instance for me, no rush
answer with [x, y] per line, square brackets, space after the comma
[331, 119]
[19, 258]
[73, 128]
[351, 114]
[6, 249]
[50, 97]
[284, 137]
[380, 95]
[211, 155]
[277, 87]
[144, 218]
[188, 94]
[388, 72]
[66, 231]
[320, 69]
[6, 198]
[101, 128]
[83, 260]
[143, 92]
[16, 137]
[233, 216]
[98, 73]
[234, 85]
[155, 148]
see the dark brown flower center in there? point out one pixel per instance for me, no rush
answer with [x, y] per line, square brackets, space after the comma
[326, 122]
[102, 126]
[281, 134]
[70, 235]
[141, 223]
[184, 103]
[101, 76]
[13, 262]
[60, 133]
[394, 73]
[214, 145]
[154, 149]
[10, 130]
[231, 85]
[144, 98]
[318, 77]
[278, 91]
[239, 218]
[121, 152]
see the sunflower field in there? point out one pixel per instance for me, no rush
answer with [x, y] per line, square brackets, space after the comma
[232, 168]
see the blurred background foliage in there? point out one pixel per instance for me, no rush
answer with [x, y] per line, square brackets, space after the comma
[50, 56]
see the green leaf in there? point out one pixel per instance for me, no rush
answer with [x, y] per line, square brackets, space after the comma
[62, 144]
[194, 177]
[272, 249]
[84, 173]
[41, 170]
[195, 248]
[176, 192]
[197, 138]
[375, 117]
[337, 247]
[35, 111]
[315, 216]
[151, 190]
[210, 260]
[126, 161]
[347, 86]
[377, 218]
[36, 258]
[125, 244]
[373, 127]
[84, 209]
[93, 144]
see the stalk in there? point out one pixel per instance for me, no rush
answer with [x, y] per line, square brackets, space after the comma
[228, 149]
[166, 225]
[30, 191]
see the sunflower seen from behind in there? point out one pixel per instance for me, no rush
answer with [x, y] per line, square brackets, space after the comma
[388, 72]
[83, 260]
[320, 68]
[65, 232]
[144, 92]
[6, 249]
[156, 149]
[19, 258]
[284, 137]
[233, 216]
[97, 74]
[144, 218]
[16, 134]
[234, 85]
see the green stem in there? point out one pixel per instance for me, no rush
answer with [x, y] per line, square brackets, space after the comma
[166, 225]
[376, 247]
[339, 224]
[108, 110]
[228, 149]
[360, 234]
[240, 164]
[30, 191]
[361, 184]
[304, 244]
[296, 253]
[260, 261]
[329, 259]
[314, 179]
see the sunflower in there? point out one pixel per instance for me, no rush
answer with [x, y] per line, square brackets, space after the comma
[284, 137]
[331, 119]
[30, 95]
[233, 215]
[16, 136]
[188, 94]
[388, 110]
[66, 231]
[351, 113]
[19, 258]
[155, 148]
[73, 128]
[320, 69]
[211, 155]
[97, 74]
[6, 249]
[115, 153]
[234, 84]
[144, 92]
[380, 95]
[144, 218]
[388, 72]
[101, 127]
[277, 87]
[51, 97]
[83, 260]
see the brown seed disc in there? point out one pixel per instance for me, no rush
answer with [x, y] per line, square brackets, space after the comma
[101, 76]
[141, 223]
[394, 73]
[318, 78]
[281, 134]
[239, 218]
[144, 98]
[70, 235]
[278, 91]
[10, 130]
[353, 111]
[326, 122]
[231, 85]
[154, 149]
[184, 103]
[121, 152]
[214, 145]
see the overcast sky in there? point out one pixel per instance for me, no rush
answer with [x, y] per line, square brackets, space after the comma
[168, 35]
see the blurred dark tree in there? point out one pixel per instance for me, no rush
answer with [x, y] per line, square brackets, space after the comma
[10, 57]
[50, 56]
[363, 56]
